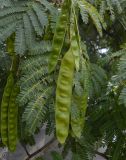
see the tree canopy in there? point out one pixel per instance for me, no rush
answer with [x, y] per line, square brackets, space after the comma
[63, 66]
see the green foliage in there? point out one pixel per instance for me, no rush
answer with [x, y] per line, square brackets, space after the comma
[56, 156]
[71, 70]
[39, 158]
[111, 6]
[36, 86]
[27, 20]
[5, 63]
[87, 8]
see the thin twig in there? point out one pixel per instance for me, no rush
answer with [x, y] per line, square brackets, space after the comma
[41, 149]
[23, 145]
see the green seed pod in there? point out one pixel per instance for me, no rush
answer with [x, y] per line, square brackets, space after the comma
[10, 45]
[79, 101]
[75, 39]
[12, 119]
[59, 35]
[75, 49]
[4, 109]
[63, 96]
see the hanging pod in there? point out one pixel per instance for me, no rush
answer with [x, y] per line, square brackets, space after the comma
[78, 111]
[10, 45]
[75, 38]
[8, 106]
[63, 96]
[4, 108]
[79, 105]
[75, 48]
[59, 35]
[12, 119]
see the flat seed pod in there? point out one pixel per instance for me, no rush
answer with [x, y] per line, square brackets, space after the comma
[80, 100]
[75, 49]
[63, 96]
[10, 45]
[4, 109]
[75, 39]
[59, 35]
[12, 119]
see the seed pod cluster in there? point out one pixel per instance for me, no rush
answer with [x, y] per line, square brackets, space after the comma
[9, 110]
[71, 60]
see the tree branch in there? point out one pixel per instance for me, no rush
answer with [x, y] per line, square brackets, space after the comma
[101, 154]
[41, 149]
